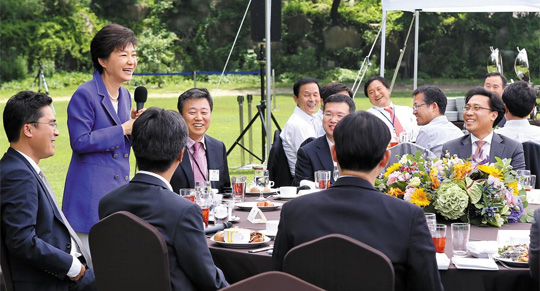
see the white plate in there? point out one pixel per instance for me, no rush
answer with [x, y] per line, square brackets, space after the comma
[234, 219]
[272, 191]
[266, 233]
[248, 205]
[241, 245]
[510, 262]
[281, 197]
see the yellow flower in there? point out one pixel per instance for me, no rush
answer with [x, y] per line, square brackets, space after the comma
[435, 183]
[490, 170]
[391, 169]
[420, 198]
[395, 192]
[514, 186]
[461, 170]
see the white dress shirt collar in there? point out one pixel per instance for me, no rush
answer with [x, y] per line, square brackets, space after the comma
[157, 176]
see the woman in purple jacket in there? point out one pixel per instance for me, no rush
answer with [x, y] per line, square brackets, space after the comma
[100, 119]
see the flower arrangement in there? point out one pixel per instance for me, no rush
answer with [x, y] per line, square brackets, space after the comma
[482, 194]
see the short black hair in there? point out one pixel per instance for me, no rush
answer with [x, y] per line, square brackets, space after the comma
[158, 137]
[112, 36]
[503, 78]
[519, 98]
[303, 81]
[432, 95]
[334, 88]
[361, 139]
[339, 98]
[22, 108]
[495, 102]
[194, 93]
[375, 78]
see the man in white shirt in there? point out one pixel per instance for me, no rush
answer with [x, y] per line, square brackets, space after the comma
[303, 123]
[435, 129]
[519, 99]
[398, 118]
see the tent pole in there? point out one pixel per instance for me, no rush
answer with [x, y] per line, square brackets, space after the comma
[415, 83]
[383, 41]
[268, 78]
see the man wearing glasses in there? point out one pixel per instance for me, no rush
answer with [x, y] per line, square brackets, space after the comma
[483, 110]
[429, 107]
[316, 155]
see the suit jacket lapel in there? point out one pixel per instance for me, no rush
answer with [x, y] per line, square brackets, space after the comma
[186, 166]
[497, 148]
[465, 150]
[211, 158]
[106, 102]
[323, 153]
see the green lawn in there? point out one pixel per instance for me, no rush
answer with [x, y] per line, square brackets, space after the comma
[225, 127]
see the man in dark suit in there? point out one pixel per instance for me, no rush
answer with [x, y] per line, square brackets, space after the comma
[353, 207]
[483, 110]
[41, 249]
[205, 158]
[159, 137]
[534, 247]
[315, 155]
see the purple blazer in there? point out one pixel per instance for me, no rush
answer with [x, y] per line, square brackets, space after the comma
[100, 159]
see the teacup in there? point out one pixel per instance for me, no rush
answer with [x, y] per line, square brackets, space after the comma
[287, 191]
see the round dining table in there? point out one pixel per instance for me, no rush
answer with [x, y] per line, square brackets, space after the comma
[239, 264]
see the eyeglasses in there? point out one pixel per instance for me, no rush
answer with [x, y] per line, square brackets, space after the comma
[475, 108]
[416, 106]
[53, 124]
[330, 115]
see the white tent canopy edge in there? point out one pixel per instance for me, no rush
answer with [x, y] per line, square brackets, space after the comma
[448, 6]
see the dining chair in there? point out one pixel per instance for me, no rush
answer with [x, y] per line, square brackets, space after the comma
[531, 151]
[271, 281]
[129, 254]
[338, 262]
[278, 166]
[5, 270]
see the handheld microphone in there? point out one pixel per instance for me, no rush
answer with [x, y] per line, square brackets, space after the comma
[141, 94]
[217, 228]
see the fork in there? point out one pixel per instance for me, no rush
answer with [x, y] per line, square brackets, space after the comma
[499, 261]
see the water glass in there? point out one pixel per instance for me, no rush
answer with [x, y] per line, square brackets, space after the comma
[523, 177]
[204, 200]
[439, 238]
[322, 179]
[239, 188]
[336, 172]
[262, 181]
[460, 238]
[188, 193]
[404, 137]
[431, 220]
[532, 182]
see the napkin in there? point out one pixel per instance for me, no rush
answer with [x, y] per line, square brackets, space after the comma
[482, 249]
[442, 261]
[533, 196]
[475, 264]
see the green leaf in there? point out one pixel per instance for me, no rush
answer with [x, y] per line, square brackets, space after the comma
[475, 192]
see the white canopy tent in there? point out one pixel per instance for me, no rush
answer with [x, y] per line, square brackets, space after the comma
[448, 6]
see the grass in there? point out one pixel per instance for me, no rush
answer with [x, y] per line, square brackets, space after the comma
[225, 124]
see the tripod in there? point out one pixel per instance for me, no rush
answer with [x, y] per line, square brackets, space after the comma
[40, 79]
[260, 114]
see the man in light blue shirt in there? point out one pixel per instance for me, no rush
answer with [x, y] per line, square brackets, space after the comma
[435, 129]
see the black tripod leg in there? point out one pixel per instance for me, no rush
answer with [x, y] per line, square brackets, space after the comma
[243, 132]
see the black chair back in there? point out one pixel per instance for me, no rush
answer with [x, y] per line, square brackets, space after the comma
[531, 151]
[129, 254]
[338, 262]
[277, 165]
[271, 281]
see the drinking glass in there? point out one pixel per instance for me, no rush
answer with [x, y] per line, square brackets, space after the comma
[460, 238]
[261, 181]
[532, 182]
[431, 220]
[188, 193]
[336, 173]
[404, 137]
[322, 179]
[439, 238]
[204, 200]
[203, 186]
[239, 188]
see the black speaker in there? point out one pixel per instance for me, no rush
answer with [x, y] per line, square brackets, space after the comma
[258, 20]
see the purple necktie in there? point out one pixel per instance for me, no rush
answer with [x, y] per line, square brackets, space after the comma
[479, 151]
[200, 168]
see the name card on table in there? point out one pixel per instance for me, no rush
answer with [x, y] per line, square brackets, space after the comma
[252, 216]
